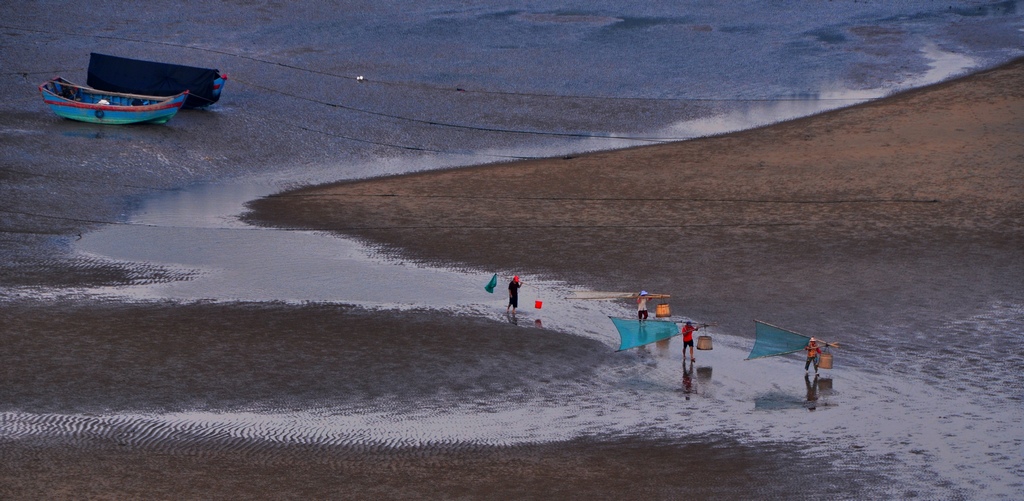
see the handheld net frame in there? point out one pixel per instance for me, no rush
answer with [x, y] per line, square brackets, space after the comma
[771, 341]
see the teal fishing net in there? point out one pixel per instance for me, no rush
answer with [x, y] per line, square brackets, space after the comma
[772, 340]
[633, 333]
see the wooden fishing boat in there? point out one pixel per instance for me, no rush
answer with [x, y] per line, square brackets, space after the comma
[85, 104]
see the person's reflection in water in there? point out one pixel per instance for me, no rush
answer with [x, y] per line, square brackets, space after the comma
[687, 379]
[812, 392]
[512, 318]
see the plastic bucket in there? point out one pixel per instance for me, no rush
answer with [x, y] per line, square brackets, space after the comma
[703, 342]
[661, 310]
[538, 304]
[826, 361]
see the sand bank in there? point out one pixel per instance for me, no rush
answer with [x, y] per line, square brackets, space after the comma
[800, 216]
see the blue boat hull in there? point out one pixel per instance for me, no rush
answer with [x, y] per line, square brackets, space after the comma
[85, 104]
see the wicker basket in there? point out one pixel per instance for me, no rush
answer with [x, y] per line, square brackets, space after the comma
[703, 342]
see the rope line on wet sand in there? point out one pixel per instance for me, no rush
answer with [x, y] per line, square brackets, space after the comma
[476, 128]
[435, 123]
[403, 147]
[363, 81]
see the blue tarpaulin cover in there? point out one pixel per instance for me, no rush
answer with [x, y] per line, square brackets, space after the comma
[771, 340]
[633, 333]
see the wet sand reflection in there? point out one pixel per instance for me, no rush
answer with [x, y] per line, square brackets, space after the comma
[696, 380]
[817, 389]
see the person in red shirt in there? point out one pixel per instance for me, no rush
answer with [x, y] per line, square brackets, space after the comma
[687, 333]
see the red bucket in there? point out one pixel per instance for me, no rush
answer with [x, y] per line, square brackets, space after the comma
[538, 304]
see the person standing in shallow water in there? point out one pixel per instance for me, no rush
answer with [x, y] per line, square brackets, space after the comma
[641, 306]
[813, 355]
[513, 294]
[687, 333]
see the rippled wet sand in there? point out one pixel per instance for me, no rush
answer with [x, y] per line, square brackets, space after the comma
[636, 467]
[345, 401]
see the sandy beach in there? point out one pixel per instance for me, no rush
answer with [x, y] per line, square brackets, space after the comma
[865, 202]
[895, 227]
[825, 221]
